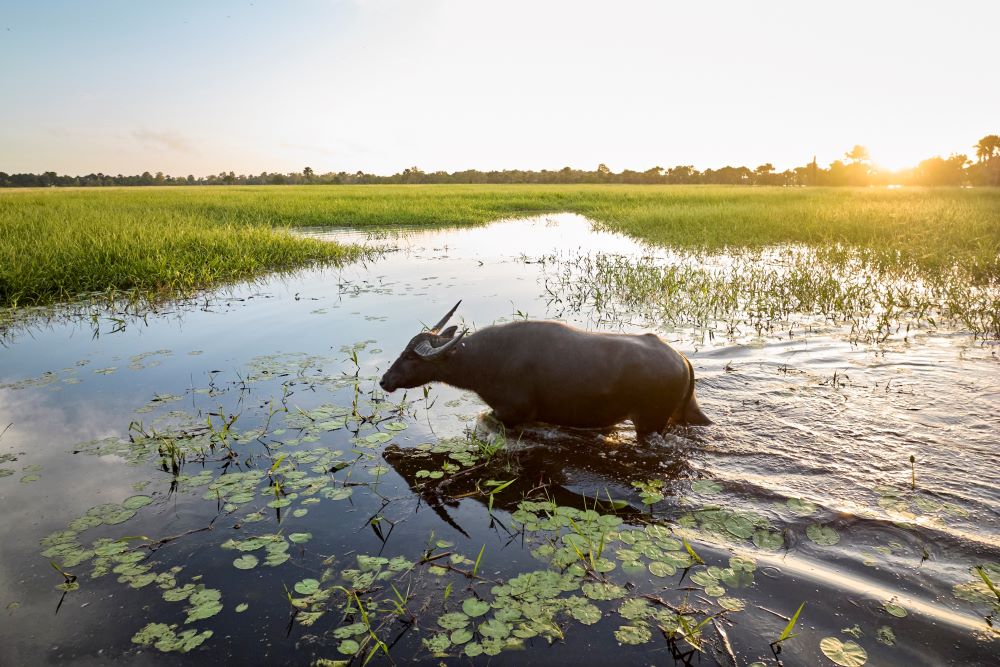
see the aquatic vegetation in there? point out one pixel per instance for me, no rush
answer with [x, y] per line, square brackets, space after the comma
[741, 291]
[846, 654]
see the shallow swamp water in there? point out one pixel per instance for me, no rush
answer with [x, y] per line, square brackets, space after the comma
[222, 480]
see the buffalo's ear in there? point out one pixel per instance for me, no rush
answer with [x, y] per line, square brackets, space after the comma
[449, 333]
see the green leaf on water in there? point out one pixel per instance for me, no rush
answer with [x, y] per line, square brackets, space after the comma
[349, 647]
[348, 631]
[714, 591]
[246, 562]
[135, 502]
[703, 578]
[635, 609]
[28, 479]
[460, 636]
[822, 535]
[453, 620]
[337, 492]
[300, 512]
[633, 634]
[438, 644]
[801, 507]
[603, 591]
[395, 426]
[731, 604]
[768, 540]
[845, 654]
[586, 613]
[307, 586]
[242, 607]
[299, 538]
[494, 629]
[894, 609]
[885, 635]
[661, 569]
[706, 486]
[474, 607]
[739, 526]
[378, 438]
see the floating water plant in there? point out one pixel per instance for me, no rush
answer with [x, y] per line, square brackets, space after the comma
[845, 654]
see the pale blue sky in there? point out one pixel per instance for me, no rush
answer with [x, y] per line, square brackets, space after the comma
[202, 87]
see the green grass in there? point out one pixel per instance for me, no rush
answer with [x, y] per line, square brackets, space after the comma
[56, 244]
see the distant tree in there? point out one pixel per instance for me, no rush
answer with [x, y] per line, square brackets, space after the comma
[858, 154]
[308, 174]
[988, 148]
[986, 171]
[939, 171]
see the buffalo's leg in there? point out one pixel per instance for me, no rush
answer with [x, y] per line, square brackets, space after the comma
[513, 416]
[647, 427]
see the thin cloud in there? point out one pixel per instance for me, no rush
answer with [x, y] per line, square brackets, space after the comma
[170, 139]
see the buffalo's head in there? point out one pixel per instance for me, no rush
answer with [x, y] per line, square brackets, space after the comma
[418, 362]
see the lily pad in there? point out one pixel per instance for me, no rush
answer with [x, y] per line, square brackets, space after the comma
[706, 486]
[845, 654]
[453, 620]
[474, 607]
[348, 647]
[739, 526]
[438, 644]
[586, 613]
[135, 502]
[299, 538]
[768, 540]
[661, 569]
[307, 586]
[894, 609]
[242, 607]
[603, 591]
[731, 604]
[801, 507]
[822, 535]
[246, 562]
[338, 492]
[460, 636]
[494, 629]
[633, 634]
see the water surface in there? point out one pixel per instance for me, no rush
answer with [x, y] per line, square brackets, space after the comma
[805, 477]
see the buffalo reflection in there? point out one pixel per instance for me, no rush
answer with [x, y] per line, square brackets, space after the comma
[577, 468]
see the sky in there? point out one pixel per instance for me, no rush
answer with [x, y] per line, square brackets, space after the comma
[194, 87]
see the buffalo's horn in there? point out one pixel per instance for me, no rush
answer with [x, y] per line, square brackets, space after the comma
[444, 320]
[428, 351]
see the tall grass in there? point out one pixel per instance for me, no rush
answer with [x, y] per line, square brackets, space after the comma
[58, 243]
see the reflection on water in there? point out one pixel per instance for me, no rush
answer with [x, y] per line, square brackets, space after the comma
[807, 467]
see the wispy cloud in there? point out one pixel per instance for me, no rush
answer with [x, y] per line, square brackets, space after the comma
[165, 139]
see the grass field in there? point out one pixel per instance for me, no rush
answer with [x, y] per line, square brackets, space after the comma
[55, 244]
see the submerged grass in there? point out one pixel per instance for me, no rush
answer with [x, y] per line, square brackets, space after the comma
[59, 243]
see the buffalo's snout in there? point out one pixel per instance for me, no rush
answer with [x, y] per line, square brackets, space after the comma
[386, 385]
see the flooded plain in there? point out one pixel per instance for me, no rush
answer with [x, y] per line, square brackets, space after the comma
[224, 480]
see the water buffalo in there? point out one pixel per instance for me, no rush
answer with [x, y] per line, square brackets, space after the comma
[553, 373]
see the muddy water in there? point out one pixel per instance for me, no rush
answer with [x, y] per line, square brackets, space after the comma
[806, 473]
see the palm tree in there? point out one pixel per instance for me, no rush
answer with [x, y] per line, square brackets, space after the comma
[988, 148]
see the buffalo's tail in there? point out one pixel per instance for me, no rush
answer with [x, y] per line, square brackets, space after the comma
[689, 412]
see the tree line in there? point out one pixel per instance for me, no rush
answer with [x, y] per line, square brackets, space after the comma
[856, 169]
